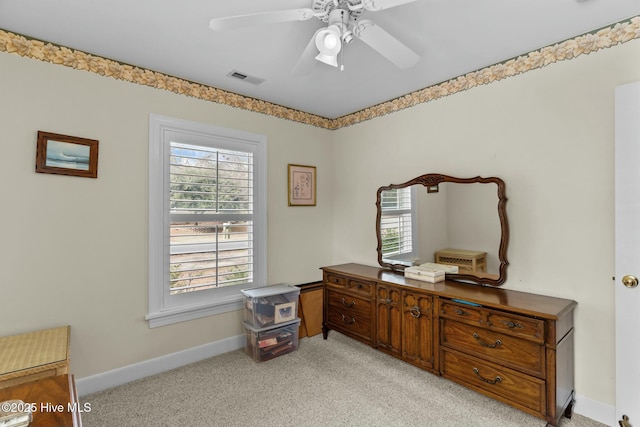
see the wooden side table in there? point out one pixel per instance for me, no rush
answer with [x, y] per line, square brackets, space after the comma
[35, 355]
[54, 401]
[467, 261]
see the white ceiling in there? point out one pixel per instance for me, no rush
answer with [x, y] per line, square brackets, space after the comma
[452, 37]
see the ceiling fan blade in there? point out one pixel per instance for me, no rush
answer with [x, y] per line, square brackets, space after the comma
[306, 62]
[377, 5]
[274, 17]
[386, 45]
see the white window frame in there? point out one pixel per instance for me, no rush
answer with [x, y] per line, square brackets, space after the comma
[165, 309]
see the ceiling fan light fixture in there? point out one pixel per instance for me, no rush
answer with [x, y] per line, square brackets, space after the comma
[347, 37]
[328, 59]
[328, 42]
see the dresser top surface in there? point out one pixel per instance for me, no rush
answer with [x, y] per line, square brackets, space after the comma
[542, 306]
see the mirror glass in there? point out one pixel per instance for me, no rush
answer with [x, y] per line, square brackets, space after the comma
[459, 222]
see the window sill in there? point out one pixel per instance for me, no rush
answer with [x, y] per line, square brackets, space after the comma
[183, 314]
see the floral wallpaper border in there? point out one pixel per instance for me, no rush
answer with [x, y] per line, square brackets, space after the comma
[618, 33]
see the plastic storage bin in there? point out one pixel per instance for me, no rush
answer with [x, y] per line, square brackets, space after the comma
[271, 305]
[267, 343]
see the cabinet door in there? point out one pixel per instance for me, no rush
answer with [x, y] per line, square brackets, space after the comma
[417, 329]
[389, 319]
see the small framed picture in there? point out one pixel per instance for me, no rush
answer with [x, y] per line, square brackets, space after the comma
[302, 185]
[66, 155]
[284, 312]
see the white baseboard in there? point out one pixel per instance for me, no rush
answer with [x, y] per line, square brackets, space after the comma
[601, 412]
[116, 377]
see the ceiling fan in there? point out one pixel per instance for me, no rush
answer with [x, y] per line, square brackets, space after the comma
[343, 24]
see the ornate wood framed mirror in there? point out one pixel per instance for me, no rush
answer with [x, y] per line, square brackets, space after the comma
[461, 222]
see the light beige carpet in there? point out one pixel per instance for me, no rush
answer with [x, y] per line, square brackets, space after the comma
[337, 382]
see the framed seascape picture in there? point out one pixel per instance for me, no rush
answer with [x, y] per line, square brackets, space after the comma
[66, 155]
[302, 185]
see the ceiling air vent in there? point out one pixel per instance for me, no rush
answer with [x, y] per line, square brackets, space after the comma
[245, 77]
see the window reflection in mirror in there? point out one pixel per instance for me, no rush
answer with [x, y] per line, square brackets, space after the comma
[396, 224]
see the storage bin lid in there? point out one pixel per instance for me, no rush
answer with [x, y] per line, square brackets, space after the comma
[270, 327]
[266, 291]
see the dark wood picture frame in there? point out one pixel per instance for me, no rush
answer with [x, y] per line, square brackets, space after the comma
[66, 155]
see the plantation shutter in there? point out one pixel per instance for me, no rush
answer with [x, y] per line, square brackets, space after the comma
[395, 222]
[211, 218]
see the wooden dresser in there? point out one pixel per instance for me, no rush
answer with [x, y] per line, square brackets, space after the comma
[513, 346]
[53, 400]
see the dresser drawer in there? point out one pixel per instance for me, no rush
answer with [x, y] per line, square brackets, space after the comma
[461, 312]
[360, 287]
[513, 352]
[335, 281]
[349, 304]
[512, 324]
[349, 322]
[494, 380]
[519, 326]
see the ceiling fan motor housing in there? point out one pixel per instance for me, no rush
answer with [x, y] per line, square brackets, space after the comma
[352, 9]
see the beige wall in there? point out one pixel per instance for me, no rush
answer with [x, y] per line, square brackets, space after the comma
[550, 135]
[74, 250]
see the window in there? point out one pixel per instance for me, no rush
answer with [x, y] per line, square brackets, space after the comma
[396, 223]
[207, 218]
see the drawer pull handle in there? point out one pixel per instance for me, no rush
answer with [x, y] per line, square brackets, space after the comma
[415, 312]
[485, 344]
[511, 324]
[495, 381]
[461, 312]
[348, 321]
[348, 304]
